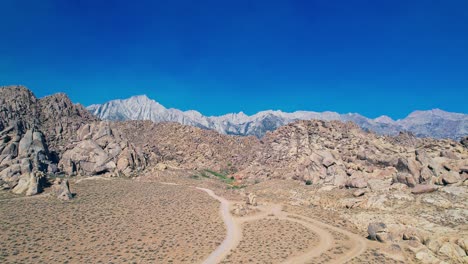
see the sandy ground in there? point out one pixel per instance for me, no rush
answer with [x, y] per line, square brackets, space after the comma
[116, 221]
[179, 221]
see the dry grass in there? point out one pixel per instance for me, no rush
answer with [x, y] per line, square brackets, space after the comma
[271, 241]
[118, 221]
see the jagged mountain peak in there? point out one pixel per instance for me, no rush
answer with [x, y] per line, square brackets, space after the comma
[384, 120]
[434, 112]
[433, 123]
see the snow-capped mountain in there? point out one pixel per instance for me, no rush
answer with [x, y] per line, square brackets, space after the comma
[433, 123]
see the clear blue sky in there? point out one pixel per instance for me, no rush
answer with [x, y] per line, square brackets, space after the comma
[371, 57]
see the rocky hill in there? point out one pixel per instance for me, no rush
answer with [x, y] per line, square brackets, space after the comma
[343, 155]
[433, 123]
[49, 135]
[52, 134]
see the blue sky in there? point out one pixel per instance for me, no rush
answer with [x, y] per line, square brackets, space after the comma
[371, 57]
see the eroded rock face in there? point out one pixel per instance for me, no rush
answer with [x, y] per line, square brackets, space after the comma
[59, 120]
[23, 160]
[32, 135]
[100, 149]
[30, 184]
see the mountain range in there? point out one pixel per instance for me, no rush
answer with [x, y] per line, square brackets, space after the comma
[434, 123]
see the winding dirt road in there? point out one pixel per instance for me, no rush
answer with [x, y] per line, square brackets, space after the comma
[326, 240]
[234, 232]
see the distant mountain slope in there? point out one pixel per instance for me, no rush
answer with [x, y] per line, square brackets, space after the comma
[433, 123]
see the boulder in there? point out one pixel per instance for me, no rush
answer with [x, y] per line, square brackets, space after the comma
[450, 177]
[10, 149]
[29, 184]
[377, 231]
[23, 184]
[425, 175]
[359, 192]
[251, 199]
[423, 188]
[25, 143]
[34, 186]
[88, 157]
[61, 189]
[405, 178]
[356, 183]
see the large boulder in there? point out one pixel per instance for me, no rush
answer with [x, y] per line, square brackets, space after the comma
[29, 184]
[423, 188]
[377, 231]
[61, 189]
[356, 183]
[87, 157]
[450, 177]
[405, 178]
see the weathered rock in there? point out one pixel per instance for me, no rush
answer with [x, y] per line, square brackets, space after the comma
[356, 183]
[103, 151]
[34, 187]
[377, 231]
[425, 175]
[61, 189]
[359, 192]
[450, 177]
[423, 188]
[29, 184]
[406, 179]
[23, 184]
[251, 199]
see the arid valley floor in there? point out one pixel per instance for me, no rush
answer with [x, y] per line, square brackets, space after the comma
[170, 221]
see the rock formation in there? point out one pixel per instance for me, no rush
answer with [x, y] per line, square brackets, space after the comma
[61, 189]
[35, 134]
[101, 149]
[341, 154]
